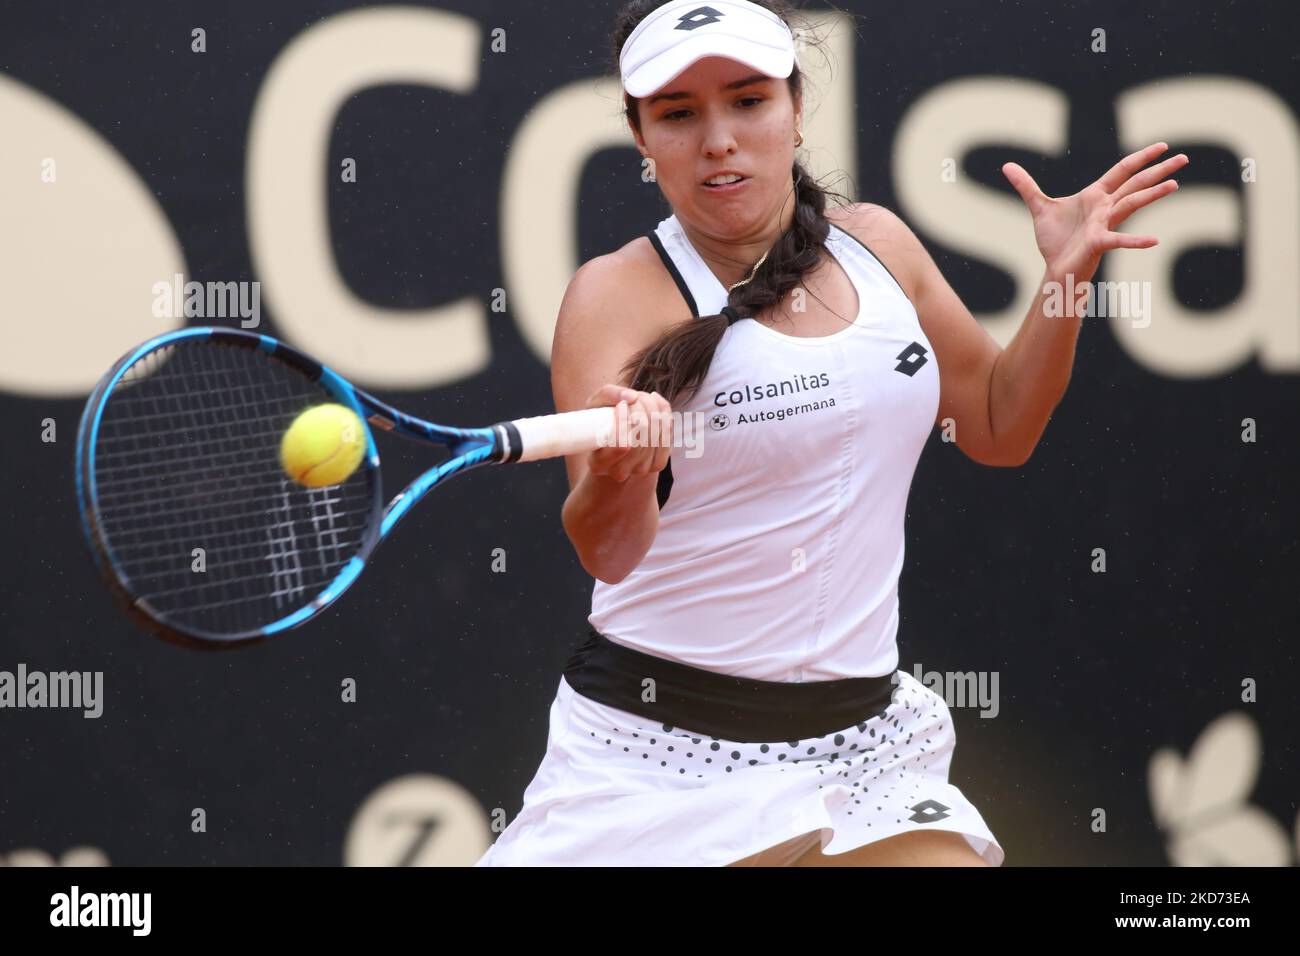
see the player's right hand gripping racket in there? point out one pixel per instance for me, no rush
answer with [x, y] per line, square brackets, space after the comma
[178, 450]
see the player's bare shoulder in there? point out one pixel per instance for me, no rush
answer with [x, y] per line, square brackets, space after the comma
[626, 293]
[864, 219]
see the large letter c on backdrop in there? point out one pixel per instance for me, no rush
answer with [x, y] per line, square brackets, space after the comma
[288, 220]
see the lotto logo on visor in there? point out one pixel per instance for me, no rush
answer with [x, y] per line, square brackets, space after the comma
[676, 35]
[698, 18]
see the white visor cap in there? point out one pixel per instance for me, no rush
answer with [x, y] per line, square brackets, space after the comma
[677, 34]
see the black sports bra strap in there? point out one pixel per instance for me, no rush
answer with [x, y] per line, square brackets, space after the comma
[671, 266]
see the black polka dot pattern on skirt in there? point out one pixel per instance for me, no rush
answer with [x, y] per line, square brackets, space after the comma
[855, 756]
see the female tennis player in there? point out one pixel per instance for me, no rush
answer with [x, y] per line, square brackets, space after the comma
[738, 699]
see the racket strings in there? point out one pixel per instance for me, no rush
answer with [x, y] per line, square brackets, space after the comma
[142, 546]
[200, 476]
[187, 458]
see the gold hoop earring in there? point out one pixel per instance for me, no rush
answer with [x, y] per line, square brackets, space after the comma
[798, 142]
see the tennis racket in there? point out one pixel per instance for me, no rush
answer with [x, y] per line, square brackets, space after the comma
[200, 532]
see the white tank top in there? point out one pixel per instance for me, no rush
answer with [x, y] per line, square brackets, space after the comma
[780, 538]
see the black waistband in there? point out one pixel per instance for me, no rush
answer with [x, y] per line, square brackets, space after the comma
[720, 705]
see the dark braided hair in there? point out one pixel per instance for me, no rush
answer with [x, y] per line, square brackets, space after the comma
[677, 362]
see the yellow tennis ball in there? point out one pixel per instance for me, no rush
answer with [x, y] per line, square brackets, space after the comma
[323, 446]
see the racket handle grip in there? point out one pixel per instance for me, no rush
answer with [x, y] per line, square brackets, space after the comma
[551, 436]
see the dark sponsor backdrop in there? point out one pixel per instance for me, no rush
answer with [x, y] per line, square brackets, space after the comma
[455, 664]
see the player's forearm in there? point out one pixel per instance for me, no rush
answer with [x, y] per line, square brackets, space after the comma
[611, 523]
[1032, 373]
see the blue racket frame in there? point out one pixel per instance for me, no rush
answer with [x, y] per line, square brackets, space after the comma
[470, 448]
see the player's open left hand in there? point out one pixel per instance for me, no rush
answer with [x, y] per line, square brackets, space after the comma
[1073, 232]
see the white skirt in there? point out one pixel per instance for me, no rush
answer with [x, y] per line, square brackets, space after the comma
[617, 789]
